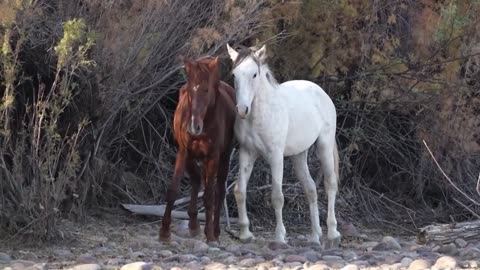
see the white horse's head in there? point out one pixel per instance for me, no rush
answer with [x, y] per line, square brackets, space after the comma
[247, 70]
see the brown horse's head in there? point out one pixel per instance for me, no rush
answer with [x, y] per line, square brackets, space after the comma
[203, 79]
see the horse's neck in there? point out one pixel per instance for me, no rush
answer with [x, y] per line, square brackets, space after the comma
[265, 95]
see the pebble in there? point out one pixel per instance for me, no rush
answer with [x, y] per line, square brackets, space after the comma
[312, 256]
[137, 266]
[319, 267]
[187, 258]
[350, 267]
[406, 262]
[165, 253]
[215, 266]
[200, 247]
[89, 266]
[470, 264]
[461, 243]
[470, 253]
[250, 262]
[213, 250]
[331, 258]
[275, 245]
[230, 259]
[445, 262]
[419, 264]
[294, 265]
[392, 243]
[86, 259]
[295, 258]
[349, 255]
[5, 258]
[38, 266]
[115, 261]
[205, 260]
[136, 255]
[67, 254]
[21, 264]
[450, 249]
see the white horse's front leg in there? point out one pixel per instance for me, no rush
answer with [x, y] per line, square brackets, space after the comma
[246, 162]
[276, 164]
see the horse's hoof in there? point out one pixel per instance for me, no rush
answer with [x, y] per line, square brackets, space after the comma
[314, 245]
[214, 243]
[194, 232]
[164, 237]
[333, 243]
[247, 240]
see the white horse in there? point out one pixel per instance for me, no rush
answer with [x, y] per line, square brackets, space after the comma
[276, 120]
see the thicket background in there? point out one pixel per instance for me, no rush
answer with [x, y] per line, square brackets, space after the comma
[88, 89]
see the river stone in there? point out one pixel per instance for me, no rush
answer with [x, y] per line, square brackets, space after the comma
[320, 266]
[470, 253]
[200, 247]
[38, 266]
[295, 258]
[5, 258]
[165, 253]
[419, 264]
[461, 243]
[137, 266]
[215, 266]
[350, 267]
[89, 266]
[312, 256]
[445, 262]
[406, 262]
[392, 243]
[250, 262]
[450, 249]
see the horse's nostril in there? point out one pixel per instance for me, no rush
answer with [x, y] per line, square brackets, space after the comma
[246, 110]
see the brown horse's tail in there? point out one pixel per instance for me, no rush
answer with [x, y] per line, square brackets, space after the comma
[336, 161]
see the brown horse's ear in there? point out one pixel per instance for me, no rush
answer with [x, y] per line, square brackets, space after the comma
[213, 64]
[187, 64]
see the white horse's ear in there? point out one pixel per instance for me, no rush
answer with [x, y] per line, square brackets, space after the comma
[261, 54]
[233, 54]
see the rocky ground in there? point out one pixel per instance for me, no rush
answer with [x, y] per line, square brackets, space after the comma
[129, 244]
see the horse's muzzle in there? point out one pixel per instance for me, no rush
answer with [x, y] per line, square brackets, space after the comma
[242, 111]
[195, 128]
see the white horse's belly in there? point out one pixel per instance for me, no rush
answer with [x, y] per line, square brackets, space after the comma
[311, 113]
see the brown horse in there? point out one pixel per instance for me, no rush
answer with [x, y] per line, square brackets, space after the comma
[203, 128]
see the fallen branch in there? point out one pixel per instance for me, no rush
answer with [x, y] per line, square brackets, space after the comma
[448, 178]
[447, 233]
[159, 210]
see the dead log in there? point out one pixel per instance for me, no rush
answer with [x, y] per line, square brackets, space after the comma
[447, 233]
[159, 210]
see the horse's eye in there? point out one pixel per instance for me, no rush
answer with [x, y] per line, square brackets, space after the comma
[254, 75]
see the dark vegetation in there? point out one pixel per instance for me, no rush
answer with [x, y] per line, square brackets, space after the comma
[88, 89]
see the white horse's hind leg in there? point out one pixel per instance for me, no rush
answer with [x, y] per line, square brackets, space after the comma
[301, 170]
[246, 162]
[276, 164]
[325, 152]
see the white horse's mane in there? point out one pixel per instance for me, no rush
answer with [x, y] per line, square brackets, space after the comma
[245, 53]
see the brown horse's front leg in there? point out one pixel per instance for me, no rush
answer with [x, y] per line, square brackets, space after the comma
[223, 169]
[172, 194]
[195, 181]
[209, 197]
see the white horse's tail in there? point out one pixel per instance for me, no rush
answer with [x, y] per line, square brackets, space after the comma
[335, 162]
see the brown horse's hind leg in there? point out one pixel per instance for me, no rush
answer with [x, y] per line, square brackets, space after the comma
[220, 195]
[195, 181]
[209, 197]
[172, 194]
